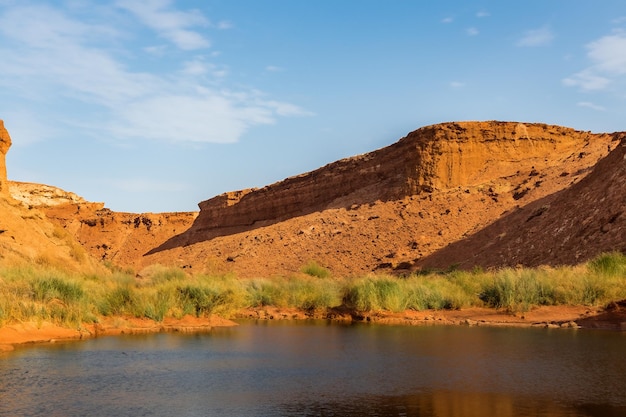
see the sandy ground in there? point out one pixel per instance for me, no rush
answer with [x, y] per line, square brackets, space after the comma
[570, 317]
[25, 333]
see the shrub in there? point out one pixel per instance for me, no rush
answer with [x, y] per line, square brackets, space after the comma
[48, 288]
[613, 263]
[372, 294]
[121, 300]
[313, 269]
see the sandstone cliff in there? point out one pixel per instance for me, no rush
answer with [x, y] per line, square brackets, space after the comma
[431, 159]
[5, 143]
[389, 208]
[567, 227]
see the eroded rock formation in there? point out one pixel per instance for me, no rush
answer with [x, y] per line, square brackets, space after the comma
[566, 227]
[41, 195]
[5, 144]
[431, 159]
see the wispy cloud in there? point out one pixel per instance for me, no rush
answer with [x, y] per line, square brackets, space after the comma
[447, 20]
[48, 56]
[536, 37]
[224, 24]
[608, 62]
[456, 84]
[482, 13]
[472, 31]
[274, 68]
[590, 105]
[173, 25]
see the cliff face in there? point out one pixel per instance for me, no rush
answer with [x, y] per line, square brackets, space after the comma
[431, 159]
[5, 144]
[567, 227]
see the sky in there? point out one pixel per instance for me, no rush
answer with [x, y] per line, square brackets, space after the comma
[157, 105]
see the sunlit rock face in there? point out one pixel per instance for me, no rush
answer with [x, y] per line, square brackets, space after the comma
[431, 159]
[5, 144]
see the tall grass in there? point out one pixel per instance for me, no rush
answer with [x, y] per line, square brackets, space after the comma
[38, 292]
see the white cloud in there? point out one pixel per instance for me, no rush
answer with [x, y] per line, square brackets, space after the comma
[287, 109]
[472, 31]
[537, 37]
[590, 105]
[170, 24]
[224, 24]
[457, 84]
[46, 54]
[608, 53]
[447, 20]
[587, 80]
[483, 13]
[608, 62]
[206, 117]
[273, 68]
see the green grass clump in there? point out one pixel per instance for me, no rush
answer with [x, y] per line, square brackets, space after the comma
[314, 269]
[53, 287]
[376, 294]
[420, 292]
[611, 264]
[303, 293]
[518, 290]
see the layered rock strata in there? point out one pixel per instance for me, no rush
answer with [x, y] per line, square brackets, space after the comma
[567, 227]
[431, 159]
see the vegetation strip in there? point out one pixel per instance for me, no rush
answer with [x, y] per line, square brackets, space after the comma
[36, 293]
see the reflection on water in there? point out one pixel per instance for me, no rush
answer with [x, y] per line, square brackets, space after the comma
[297, 369]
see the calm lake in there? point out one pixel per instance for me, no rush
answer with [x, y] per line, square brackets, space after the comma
[321, 369]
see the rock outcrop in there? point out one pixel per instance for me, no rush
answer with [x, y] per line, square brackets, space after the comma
[5, 144]
[119, 238]
[41, 195]
[567, 227]
[388, 209]
[429, 160]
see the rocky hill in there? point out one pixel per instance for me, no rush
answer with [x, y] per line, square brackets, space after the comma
[391, 208]
[394, 209]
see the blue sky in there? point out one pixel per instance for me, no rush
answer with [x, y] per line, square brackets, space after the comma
[156, 105]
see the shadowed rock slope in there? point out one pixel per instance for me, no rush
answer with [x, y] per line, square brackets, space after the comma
[567, 227]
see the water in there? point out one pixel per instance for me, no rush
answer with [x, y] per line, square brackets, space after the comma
[304, 369]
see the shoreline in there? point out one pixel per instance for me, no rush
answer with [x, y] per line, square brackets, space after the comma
[612, 317]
